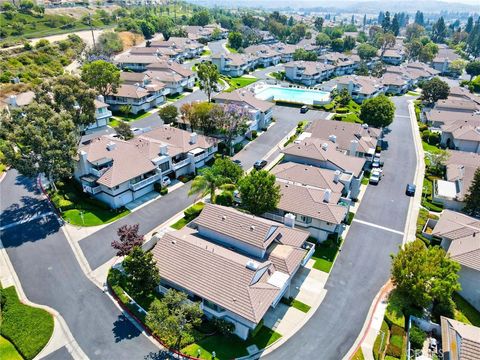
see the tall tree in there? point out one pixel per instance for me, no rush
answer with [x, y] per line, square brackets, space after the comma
[439, 31]
[434, 90]
[174, 319]
[419, 18]
[378, 111]
[473, 69]
[168, 114]
[395, 27]
[349, 43]
[142, 272]
[386, 23]
[318, 23]
[232, 123]
[322, 40]
[384, 41]
[424, 275]
[259, 192]
[235, 40]
[124, 130]
[414, 31]
[38, 139]
[102, 76]
[469, 25]
[472, 198]
[128, 238]
[207, 182]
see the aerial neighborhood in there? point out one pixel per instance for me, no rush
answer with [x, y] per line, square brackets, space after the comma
[202, 180]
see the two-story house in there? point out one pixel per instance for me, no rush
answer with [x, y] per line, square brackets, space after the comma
[237, 265]
[266, 55]
[260, 111]
[140, 96]
[117, 172]
[361, 88]
[308, 73]
[234, 64]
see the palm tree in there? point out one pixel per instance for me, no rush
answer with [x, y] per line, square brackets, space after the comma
[207, 182]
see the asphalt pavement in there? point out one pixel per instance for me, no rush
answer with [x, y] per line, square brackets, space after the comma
[50, 275]
[363, 264]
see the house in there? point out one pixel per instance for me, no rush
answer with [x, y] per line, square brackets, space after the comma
[459, 341]
[393, 56]
[237, 265]
[342, 133]
[396, 84]
[137, 97]
[102, 114]
[457, 104]
[323, 154]
[177, 48]
[136, 62]
[318, 198]
[361, 88]
[344, 64]
[286, 51]
[117, 172]
[20, 99]
[234, 64]
[463, 135]
[443, 59]
[206, 33]
[308, 73]
[460, 237]
[437, 118]
[260, 111]
[460, 171]
[266, 55]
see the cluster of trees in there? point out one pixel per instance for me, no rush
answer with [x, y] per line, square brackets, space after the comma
[418, 45]
[258, 191]
[227, 121]
[32, 64]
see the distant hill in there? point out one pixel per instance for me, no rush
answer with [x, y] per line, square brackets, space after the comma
[373, 6]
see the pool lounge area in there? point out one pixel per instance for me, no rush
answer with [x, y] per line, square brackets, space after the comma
[293, 95]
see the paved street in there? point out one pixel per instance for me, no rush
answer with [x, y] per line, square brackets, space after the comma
[216, 47]
[363, 265]
[50, 275]
[262, 73]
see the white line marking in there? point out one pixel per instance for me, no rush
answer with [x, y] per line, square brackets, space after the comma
[378, 226]
[403, 116]
[20, 222]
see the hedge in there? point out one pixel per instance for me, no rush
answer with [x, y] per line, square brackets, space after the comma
[193, 211]
[28, 328]
[225, 198]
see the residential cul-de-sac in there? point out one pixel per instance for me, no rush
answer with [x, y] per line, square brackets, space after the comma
[210, 183]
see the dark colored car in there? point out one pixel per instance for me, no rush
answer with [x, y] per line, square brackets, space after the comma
[303, 109]
[410, 191]
[260, 164]
[238, 162]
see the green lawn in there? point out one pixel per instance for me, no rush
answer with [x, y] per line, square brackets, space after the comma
[358, 355]
[78, 209]
[394, 313]
[206, 53]
[27, 327]
[465, 312]
[232, 50]
[413, 93]
[324, 256]
[230, 346]
[115, 120]
[175, 97]
[239, 82]
[8, 351]
[430, 148]
[297, 304]
[179, 224]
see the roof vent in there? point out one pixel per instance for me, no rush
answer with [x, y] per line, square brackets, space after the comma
[324, 146]
[252, 227]
[111, 146]
[224, 218]
[333, 138]
[251, 265]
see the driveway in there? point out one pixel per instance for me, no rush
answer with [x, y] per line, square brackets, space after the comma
[216, 47]
[286, 119]
[363, 265]
[50, 275]
[262, 73]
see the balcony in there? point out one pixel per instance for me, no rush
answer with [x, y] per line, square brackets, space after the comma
[310, 247]
[145, 182]
[181, 164]
[98, 172]
[92, 189]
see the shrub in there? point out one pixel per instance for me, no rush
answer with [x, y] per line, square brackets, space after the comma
[397, 330]
[342, 110]
[417, 337]
[393, 350]
[223, 326]
[193, 211]
[349, 218]
[164, 191]
[254, 134]
[157, 187]
[229, 187]
[338, 117]
[225, 198]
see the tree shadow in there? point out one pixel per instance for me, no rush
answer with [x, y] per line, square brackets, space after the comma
[123, 329]
[161, 355]
[30, 184]
[26, 208]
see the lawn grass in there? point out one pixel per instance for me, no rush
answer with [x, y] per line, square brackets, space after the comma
[230, 346]
[232, 50]
[238, 82]
[80, 210]
[175, 97]
[206, 53]
[413, 93]
[28, 328]
[358, 355]
[179, 224]
[430, 148]
[465, 312]
[297, 304]
[115, 120]
[8, 351]
[324, 255]
[394, 313]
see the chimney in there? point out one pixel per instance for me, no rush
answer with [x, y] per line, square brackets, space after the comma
[111, 146]
[365, 126]
[353, 147]
[326, 195]
[164, 149]
[325, 146]
[333, 138]
[101, 98]
[12, 100]
[83, 161]
[289, 220]
[193, 138]
[336, 177]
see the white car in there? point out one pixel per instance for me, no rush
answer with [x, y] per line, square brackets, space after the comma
[375, 176]
[166, 181]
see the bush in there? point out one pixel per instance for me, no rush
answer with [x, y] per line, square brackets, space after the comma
[225, 198]
[193, 211]
[164, 191]
[229, 187]
[257, 329]
[26, 327]
[157, 187]
[397, 330]
[393, 350]
[417, 337]
[254, 134]
[342, 110]
[237, 147]
[349, 218]
[223, 326]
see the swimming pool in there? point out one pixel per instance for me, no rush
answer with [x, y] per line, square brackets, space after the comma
[302, 96]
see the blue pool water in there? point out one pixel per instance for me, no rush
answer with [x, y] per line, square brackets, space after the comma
[303, 96]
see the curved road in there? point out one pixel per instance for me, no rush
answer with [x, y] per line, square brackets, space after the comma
[363, 266]
[50, 275]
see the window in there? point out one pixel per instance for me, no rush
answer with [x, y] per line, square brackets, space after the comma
[306, 219]
[164, 166]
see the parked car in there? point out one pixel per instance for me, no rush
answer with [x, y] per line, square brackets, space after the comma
[410, 191]
[260, 164]
[238, 162]
[375, 176]
[166, 181]
[304, 109]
